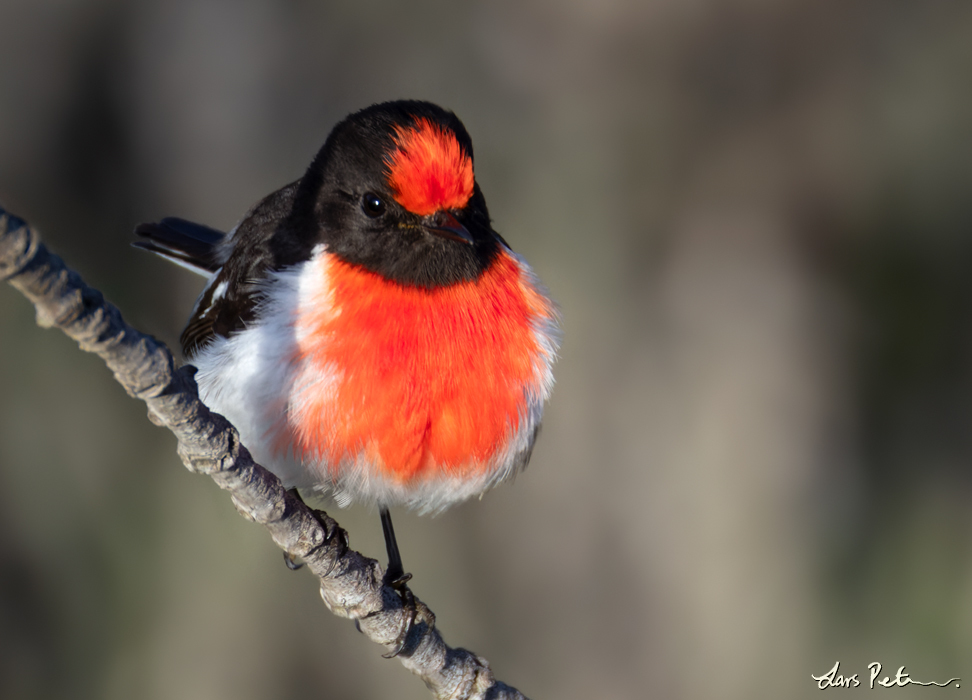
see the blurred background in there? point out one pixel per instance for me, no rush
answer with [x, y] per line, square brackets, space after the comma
[756, 217]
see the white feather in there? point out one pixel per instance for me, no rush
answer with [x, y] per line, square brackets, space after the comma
[257, 379]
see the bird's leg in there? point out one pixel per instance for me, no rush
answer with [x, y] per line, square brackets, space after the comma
[396, 577]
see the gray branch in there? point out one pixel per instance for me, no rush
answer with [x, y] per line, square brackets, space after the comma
[351, 584]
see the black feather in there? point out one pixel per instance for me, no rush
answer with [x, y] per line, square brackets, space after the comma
[183, 241]
[326, 207]
[261, 243]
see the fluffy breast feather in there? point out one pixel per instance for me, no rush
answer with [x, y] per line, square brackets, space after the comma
[384, 393]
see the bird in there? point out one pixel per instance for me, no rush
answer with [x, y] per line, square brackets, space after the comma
[365, 329]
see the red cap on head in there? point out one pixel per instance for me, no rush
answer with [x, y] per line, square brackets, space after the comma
[429, 171]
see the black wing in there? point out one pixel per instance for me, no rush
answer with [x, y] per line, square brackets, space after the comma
[237, 264]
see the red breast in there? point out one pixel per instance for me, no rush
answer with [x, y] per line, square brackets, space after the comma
[428, 381]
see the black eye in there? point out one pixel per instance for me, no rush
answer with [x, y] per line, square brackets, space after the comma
[372, 205]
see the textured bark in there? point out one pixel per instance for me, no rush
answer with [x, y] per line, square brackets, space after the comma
[351, 584]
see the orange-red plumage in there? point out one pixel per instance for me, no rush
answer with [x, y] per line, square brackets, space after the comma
[429, 381]
[429, 170]
[367, 331]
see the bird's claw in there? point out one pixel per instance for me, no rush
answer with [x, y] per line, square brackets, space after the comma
[332, 532]
[409, 608]
[292, 562]
[398, 583]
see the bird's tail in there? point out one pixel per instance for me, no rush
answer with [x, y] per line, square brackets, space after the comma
[193, 246]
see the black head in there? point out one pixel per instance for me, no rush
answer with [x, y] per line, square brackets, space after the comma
[393, 190]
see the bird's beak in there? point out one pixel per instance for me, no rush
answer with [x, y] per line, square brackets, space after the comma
[445, 225]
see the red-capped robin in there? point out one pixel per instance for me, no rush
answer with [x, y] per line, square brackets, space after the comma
[365, 329]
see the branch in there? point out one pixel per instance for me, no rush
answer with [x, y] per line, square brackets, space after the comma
[351, 584]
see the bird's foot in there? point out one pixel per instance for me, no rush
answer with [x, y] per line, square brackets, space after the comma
[332, 532]
[415, 611]
[398, 581]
